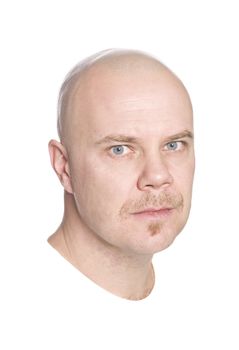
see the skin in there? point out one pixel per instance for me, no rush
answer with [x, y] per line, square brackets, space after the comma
[134, 102]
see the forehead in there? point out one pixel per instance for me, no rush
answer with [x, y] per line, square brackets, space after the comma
[142, 103]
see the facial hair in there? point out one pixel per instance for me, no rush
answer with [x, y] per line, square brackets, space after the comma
[149, 200]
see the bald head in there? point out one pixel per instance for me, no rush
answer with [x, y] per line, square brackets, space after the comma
[100, 72]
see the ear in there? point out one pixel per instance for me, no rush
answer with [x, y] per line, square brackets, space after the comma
[59, 162]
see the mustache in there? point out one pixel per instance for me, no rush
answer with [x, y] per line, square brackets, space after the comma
[149, 200]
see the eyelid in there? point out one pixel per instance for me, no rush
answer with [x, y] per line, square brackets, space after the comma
[118, 145]
[181, 141]
[171, 141]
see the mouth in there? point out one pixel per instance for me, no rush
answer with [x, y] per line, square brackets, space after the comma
[154, 213]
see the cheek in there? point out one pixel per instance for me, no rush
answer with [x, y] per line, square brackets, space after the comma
[183, 175]
[101, 190]
[182, 169]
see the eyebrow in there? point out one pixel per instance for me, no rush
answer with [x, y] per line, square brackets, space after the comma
[181, 135]
[118, 138]
[130, 139]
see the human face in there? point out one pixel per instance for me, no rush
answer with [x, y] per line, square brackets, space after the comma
[132, 162]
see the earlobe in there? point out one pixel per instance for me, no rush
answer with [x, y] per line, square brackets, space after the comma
[59, 162]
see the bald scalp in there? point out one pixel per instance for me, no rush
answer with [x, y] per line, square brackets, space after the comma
[112, 61]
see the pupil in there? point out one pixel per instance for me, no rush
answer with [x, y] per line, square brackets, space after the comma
[118, 149]
[173, 145]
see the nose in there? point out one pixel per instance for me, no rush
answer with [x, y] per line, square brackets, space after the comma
[154, 174]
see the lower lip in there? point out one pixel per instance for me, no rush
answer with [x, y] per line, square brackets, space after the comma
[156, 214]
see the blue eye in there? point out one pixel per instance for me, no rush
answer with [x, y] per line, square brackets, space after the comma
[174, 145]
[118, 150]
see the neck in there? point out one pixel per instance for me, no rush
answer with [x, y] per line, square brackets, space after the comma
[122, 273]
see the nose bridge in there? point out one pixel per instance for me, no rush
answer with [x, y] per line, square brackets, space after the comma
[154, 171]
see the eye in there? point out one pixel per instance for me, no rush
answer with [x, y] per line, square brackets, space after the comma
[119, 150]
[174, 145]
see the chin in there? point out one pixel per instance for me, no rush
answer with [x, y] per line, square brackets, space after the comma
[158, 239]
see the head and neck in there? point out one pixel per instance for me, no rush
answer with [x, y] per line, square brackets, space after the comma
[126, 162]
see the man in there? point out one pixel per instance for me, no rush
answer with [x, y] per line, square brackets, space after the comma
[126, 162]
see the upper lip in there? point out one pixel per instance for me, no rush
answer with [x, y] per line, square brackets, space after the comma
[149, 210]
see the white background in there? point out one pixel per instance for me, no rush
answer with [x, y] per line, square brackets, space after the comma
[198, 40]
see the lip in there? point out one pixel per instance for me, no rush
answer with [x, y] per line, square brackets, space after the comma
[154, 212]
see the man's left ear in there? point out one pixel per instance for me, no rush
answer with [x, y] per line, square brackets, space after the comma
[59, 162]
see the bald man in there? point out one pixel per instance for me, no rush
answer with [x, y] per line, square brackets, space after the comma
[126, 162]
